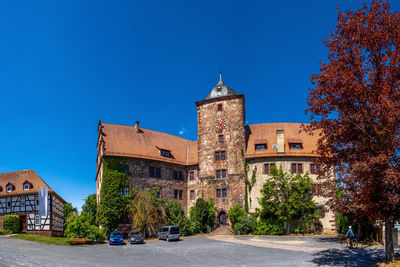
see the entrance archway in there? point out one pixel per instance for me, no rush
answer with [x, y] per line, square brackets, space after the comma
[222, 218]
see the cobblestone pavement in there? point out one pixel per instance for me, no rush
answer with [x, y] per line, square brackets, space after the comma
[192, 251]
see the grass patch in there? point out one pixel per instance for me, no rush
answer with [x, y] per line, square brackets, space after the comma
[43, 239]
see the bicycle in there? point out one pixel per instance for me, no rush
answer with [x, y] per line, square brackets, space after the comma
[346, 242]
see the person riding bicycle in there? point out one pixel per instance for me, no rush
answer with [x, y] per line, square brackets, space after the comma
[350, 235]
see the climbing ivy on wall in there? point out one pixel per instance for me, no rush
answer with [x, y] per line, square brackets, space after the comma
[112, 205]
[248, 183]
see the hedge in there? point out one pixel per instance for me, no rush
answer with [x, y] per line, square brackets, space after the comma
[11, 223]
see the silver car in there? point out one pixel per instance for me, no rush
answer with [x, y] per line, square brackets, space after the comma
[170, 232]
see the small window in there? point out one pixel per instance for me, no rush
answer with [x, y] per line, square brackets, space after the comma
[127, 191]
[180, 175]
[297, 167]
[26, 186]
[158, 194]
[218, 193]
[121, 191]
[223, 155]
[175, 175]
[9, 188]
[260, 147]
[191, 174]
[296, 146]
[224, 192]
[220, 174]
[315, 168]
[154, 172]
[176, 192]
[1, 189]
[223, 174]
[127, 169]
[165, 153]
[219, 107]
[8, 203]
[267, 167]
[221, 138]
[220, 155]
[191, 194]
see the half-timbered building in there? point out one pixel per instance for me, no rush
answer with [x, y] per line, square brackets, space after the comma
[19, 196]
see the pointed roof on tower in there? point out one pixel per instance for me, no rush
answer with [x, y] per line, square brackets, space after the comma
[221, 89]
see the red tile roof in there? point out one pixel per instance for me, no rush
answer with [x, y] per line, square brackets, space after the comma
[125, 141]
[18, 179]
[266, 133]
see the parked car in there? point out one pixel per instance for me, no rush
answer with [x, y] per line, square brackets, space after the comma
[170, 232]
[136, 237]
[116, 238]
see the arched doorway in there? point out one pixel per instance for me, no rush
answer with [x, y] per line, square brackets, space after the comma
[222, 218]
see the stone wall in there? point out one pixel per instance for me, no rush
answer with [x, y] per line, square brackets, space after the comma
[328, 219]
[140, 178]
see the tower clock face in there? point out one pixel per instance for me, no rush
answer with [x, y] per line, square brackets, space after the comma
[220, 123]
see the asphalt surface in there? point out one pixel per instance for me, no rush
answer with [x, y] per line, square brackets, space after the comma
[192, 251]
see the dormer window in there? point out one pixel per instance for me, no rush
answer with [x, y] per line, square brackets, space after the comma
[27, 185]
[10, 187]
[165, 153]
[1, 189]
[296, 146]
[260, 147]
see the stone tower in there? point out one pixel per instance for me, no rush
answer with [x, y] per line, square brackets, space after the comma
[221, 139]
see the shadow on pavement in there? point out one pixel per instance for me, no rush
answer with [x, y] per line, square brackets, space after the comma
[335, 239]
[348, 257]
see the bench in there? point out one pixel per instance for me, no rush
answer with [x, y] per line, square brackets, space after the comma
[75, 241]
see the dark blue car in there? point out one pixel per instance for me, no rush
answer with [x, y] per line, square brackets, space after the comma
[116, 238]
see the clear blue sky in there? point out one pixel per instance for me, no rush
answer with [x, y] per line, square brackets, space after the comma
[66, 64]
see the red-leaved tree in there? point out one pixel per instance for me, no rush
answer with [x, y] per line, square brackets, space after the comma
[355, 104]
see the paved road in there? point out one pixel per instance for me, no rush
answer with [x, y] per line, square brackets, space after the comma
[192, 251]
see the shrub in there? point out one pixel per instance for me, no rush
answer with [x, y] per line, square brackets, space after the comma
[4, 232]
[11, 223]
[269, 227]
[175, 215]
[79, 226]
[246, 225]
[236, 213]
[202, 214]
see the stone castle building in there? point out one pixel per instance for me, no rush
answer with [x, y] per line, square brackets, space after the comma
[212, 166]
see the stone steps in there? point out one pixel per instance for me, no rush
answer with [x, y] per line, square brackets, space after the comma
[222, 230]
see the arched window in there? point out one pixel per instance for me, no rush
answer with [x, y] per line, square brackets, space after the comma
[10, 187]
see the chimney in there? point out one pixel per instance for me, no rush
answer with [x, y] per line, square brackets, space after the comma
[280, 141]
[137, 127]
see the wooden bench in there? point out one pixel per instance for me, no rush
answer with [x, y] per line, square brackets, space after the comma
[75, 241]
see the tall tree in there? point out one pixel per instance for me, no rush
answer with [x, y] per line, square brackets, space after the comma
[288, 198]
[89, 208]
[147, 212]
[69, 211]
[354, 104]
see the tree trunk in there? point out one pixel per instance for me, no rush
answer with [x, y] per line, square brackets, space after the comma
[286, 225]
[389, 250]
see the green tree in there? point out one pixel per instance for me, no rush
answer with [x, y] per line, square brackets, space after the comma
[69, 211]
[288, 197]
[175, 215]
[236, 213]
[89, 208]
[202, 214]
[112, 204]
[147, 212]
[79, 226]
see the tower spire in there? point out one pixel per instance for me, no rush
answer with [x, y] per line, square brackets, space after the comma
[220, 78]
